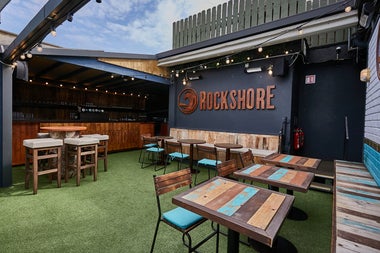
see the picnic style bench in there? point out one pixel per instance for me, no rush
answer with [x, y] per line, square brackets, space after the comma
[356, 209]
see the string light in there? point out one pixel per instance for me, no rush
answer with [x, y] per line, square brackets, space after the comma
[52, 31]
[39, 48]
[216, 63]
[270, 70]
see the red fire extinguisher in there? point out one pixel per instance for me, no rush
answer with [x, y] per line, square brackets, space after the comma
[298, 138]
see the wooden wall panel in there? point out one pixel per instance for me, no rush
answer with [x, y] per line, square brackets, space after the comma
[372, 114]
[237, 15]
[122, 135]
[254, 141]
[20, 132]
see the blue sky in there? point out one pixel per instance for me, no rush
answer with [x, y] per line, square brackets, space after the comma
[134, 26]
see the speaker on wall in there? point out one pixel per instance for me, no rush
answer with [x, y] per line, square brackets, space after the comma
[280, 67]
[22, 70]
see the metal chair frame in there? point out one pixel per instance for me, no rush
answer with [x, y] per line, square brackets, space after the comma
[206, 157]
[167, 183]
[173, 151]
[154, 150]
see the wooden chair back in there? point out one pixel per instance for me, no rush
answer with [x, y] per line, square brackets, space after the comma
[149, 140]
[247, 158]
[173, 146]
[227, 168]
[207, 152]
[172, 181]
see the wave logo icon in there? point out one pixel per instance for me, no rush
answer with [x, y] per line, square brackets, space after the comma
[187, 101]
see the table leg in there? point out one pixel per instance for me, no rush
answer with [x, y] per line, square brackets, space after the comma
[280, 245]
[191, 159]
[233, 241]
[228, 154]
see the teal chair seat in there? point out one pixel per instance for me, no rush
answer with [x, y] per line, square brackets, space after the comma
[155, 149]
[178, 155]
[181, 217]
[208, 162]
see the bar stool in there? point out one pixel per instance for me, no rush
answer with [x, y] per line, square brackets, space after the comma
[42, 149]
[102, 147]
[81, 154]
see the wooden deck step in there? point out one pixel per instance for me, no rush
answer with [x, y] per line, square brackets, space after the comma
[324, 175]
[321, 187]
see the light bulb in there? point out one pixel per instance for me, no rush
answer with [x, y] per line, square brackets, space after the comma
[39, 48]
[53, 32]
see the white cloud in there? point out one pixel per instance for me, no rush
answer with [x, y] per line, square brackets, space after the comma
[134, 26]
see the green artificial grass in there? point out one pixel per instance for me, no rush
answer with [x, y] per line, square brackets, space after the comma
[118, 213]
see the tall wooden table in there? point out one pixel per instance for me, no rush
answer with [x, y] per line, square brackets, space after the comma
[191, 142]
[228, 147]
[61, 132]
[255, 212]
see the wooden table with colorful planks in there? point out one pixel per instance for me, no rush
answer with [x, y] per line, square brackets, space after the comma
[244, 209]
[292, 161]
[276, 176]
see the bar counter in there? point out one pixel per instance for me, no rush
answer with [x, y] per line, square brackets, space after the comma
[122, 135]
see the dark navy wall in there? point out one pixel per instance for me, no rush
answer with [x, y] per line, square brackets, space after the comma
[244, 121]
[337, 97]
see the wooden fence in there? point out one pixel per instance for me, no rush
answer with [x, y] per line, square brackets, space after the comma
[236, 15]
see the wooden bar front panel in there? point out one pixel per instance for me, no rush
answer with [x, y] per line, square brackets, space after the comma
[122, 135]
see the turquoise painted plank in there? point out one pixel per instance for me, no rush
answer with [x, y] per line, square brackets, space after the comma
[356, 180]
[252, 168]
[354, 171]
[359, 225]
[358, 191]
[351, 196]
[371, 159]
[278, 174]
[286, 158]
[195, 194]
[233, 205]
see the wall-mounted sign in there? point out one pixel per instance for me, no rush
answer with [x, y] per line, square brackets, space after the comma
[245, 99]
[187, 101]
[310, 79]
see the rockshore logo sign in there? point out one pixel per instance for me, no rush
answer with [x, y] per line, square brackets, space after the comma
[246, 99]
